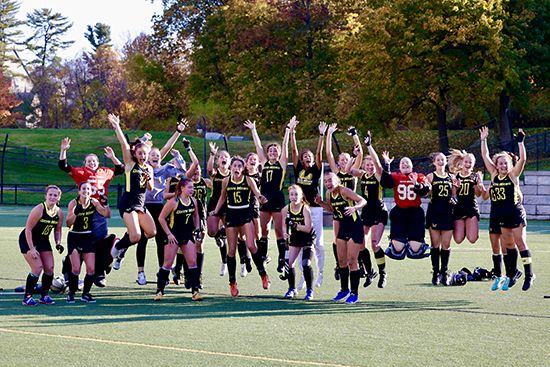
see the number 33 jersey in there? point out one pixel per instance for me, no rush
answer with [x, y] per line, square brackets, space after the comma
[403, 190]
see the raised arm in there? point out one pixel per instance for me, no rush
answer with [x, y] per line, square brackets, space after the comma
[257, 142]
[357, 151]
[194, 160]
[520, 164]
[319, 151]
[210, 164]
[284, 148]
[62, 164]
[109, 153]
[375, 159]
[173, 139]
[330, 157]
[115, 123]
[295, 155]
[483, 135]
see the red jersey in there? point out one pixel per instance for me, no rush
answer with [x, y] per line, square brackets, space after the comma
[99, 179]
[403, 192]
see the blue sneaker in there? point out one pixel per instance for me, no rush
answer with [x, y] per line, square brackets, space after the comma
[70, 298]
[352, 299]
[29, 301]
[506, 284]
[87, 298]
[46, 300]
[309, 294]
[291, 293]
[498, 283]
[341, 295]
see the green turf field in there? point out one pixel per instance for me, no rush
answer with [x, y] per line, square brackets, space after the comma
[409, 323]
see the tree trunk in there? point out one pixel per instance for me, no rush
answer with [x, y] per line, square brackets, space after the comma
[442, 129]
[504, 126]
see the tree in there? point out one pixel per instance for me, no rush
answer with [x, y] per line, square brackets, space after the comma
[8, 101]
[98, 35]
[9, 31]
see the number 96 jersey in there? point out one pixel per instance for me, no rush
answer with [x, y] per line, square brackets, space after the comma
[403, 190]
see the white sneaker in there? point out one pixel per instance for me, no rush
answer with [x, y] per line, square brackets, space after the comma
[302, 283]
[223, 269]
[319, 281]
[117, 263]
[141, 279]
[114, 251]
[244, 272]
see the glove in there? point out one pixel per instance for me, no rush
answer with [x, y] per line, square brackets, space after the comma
[186, 144]
[197, 233]
[59, 248]
[520, 136]
[352, 131]
[368, 139]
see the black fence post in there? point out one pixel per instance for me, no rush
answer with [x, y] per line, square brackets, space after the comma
[2, 170]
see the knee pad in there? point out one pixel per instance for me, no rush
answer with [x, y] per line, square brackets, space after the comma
[420, 254]
[396, 255]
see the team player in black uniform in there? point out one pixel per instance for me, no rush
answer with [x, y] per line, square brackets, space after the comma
[300, 236]
[34, 243]
[466, 211]
[274, 165]
[374, 215]
[307, 171]
[507, 210]
[439, 218]
[182, 230]
[215, 223]
[139, 178]
[80, 240]
[345, 205]
[236, 192]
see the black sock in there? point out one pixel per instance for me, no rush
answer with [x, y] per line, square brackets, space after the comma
[141, 251]
[200, 261]
[526, 260]
[354, 277]
[185, 268]
[281, 249]
[380, 257]
[259, 262]
[194, 278]
[262, 246]
[88, 281]
[73, 282]
[344, 279]
[513, 259]
[160, 253]
[445, 254]
[308, 276]
[335, 253]
[66, 265]
[364, 255]
[179, 263]
[223, 254]
[46, 283]
[32, 279]
[497, 264]
[292, 278]
[434, 256]
[124, 242]
[241, 248]
[162, 278]
[232, 268]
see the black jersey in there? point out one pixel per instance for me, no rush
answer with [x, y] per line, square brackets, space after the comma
[201, 191]
[347, 180]
[217, 180]
[238, 194]
[299, 238]
[466, 196]
[84, 216]
[372, 191]
[272, 178]
[504, 193]
[442, 190]
[181, 221]
[256, 177]
[136, 182]
[173, 184]
[47, 222]
[339, 204]
[308, 180]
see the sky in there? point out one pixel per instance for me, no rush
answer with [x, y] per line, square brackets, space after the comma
[127, 19]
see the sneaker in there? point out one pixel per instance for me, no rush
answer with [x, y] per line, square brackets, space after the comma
[280, 265]
[248, 264]
[87, 297]
[341, 295]
[46, 300]
[114, 251]
[223, 269]
[514, 279]
[319, 281]
[445, 278]
[29, 301]
[499, 281]
[117, 263]
[176, 277]
[233, 289]
[291, 293]
[196, 296]
[506, 284]
[100, 282]
[436, 278]
[528, 282]
[158, 296]
[244, 272]
[337, 273]
[266, 284]
[301, 283]
[141, 279]
[352, 299]
[371, 275]
[383, 280]
[70, 298]
[309, 294]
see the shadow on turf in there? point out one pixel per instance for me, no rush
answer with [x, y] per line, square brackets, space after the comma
[121, 304]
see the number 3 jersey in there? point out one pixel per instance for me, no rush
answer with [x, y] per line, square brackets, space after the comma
[403, 190]
[84, 216]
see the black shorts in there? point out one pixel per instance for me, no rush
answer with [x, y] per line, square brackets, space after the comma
[440, 218]
[212, 205]
[82, 242]
[512, 218]
[374, 215]
[40, 246]
[302, 239]
[131, 203]
[407, 224]
[351, 229]
[184, 239]
[275, 202]
[494, 227]
[238, 217]
[461, 212]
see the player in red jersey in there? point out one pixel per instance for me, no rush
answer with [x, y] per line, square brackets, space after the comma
[407, 216]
